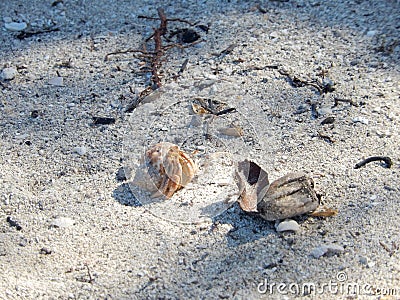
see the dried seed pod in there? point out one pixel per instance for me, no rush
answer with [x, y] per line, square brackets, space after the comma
[288, 196]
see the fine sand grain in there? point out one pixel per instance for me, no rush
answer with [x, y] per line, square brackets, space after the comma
[70, 229]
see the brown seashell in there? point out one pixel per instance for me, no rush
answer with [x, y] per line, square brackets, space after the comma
[165, 170]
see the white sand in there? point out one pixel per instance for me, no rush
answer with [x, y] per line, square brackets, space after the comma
[116, 248]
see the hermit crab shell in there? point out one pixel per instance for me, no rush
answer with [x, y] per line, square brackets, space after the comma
[164, 170]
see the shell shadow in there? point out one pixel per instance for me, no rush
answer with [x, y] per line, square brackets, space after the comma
[246, 228]
[124, 195]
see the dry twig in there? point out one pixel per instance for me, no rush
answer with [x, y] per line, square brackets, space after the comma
[154, 58]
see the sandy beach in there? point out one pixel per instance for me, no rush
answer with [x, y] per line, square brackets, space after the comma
[313, 86]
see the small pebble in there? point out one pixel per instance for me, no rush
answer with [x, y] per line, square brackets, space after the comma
[287, 225]
[318, 252]
[21, 136]
[6, 199]
[361, 120]
[23, 242]
[334, 249]
[62, 222]
[363, 260]
[324, 110]
[328, 120]
[274, 35]
[372, 33]
[115, 104]
[140, 274]
[15, 26]
[80, 150]
[383, 134]
[376, 109]
[3, 252]
[373, 197]
[326, 250]
[57, 81]
[371, 264]
[8, 73]
[45, 251]
[354, 62]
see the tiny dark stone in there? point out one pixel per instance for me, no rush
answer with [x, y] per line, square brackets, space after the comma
[34, 114]
[270, 265]
[13, 223]
[45, 251]
[354, 62]
[389, 188]
[328, 120]
[28, 143]
[23, 242]
[103, 120]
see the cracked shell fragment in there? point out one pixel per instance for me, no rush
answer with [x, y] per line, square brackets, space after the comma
[252, 182]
